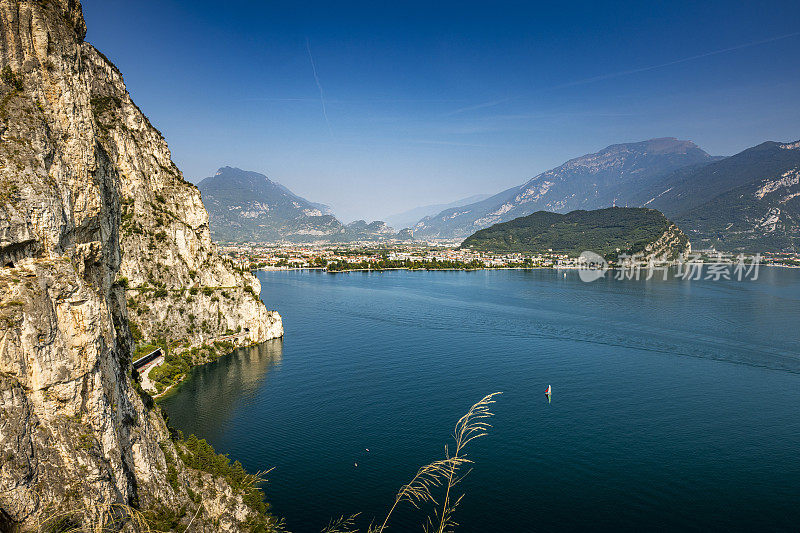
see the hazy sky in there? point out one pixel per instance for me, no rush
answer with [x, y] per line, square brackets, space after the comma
[376, 108]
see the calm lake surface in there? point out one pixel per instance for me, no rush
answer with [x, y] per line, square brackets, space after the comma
[676, 404]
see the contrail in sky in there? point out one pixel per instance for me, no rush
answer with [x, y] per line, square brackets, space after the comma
[617, 74]
[493, 103]
[319, 86]
[675, 62]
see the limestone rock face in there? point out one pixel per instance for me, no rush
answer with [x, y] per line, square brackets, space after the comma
[89, 196]
[672, 245]
[179, 288]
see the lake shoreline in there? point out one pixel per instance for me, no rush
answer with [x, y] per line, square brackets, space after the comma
[563, 267]
[173, 387]
[415, 269]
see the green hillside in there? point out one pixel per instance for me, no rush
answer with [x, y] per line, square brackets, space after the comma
[606, 231]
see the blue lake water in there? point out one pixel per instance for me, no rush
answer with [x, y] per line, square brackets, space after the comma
[676, 404]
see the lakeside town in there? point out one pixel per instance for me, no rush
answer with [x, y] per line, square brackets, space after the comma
[433, 256]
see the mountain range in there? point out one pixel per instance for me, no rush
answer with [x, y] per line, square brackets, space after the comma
[248, 206]
[412, 216]
[746, 202]
[591, 181]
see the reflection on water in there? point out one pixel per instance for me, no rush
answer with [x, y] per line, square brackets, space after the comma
[214, 391]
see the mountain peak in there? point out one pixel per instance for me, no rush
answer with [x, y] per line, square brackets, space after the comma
[658, 145]
[247, 206]
[671, 145]
[235, 172]
[601, 179]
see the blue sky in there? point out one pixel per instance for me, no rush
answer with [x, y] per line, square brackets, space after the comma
[376, 108]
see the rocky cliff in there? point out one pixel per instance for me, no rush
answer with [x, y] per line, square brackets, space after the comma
[94, 216]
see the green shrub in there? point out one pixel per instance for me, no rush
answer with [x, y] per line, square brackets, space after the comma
[172, 473]
[200, 455]
[135, 331]
[10, 78]
[102, 104]
[8, 193]
[165, 519]
[196, 498]
[251, 291]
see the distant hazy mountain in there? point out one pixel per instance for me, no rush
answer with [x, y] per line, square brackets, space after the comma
[359, 230]
[605, 231]
[748, 202]
[408, 218]
[248, 206]
[602, 179]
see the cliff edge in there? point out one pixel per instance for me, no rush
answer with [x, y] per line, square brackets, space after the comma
[94, 218]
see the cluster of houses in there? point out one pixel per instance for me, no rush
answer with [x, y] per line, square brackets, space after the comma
[283, 257]
[269, 257]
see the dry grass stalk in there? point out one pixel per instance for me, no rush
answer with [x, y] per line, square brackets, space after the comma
[471, 426]
[417, 492]
[108, 517]
[342, 525]
[444, 472]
